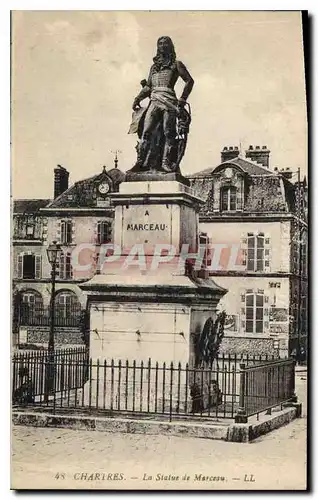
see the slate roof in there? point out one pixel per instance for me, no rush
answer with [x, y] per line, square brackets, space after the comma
[83, 193]
[30, 206]
[117, 175]
[247, 166]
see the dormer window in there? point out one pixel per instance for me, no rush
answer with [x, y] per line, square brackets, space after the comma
[228, 199]
[30, 231]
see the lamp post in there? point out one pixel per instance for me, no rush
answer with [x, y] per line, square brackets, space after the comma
[53, 251]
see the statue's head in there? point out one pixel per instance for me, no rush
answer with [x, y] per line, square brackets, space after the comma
[165, 47]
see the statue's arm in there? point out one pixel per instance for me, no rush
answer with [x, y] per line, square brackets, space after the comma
[145, 92]
[189, 82]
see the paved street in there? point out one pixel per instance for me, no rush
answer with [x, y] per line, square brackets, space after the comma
[58, 458]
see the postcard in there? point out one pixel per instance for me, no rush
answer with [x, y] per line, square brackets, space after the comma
[159, 250]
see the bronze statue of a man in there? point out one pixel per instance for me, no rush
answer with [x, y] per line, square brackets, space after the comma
[164, 121]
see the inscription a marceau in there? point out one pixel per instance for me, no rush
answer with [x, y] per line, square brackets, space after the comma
[146, 227]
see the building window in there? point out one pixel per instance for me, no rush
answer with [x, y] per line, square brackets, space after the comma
[29, 266]
[30, 231]
[103, 232]
[31, 307]
[204, 242]
[254, 313]
[228, 198]
[65, 266]
[66, 232]
[255, 252]
[67, 308]
[32, 298]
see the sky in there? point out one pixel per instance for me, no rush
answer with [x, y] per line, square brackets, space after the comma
[75, 75]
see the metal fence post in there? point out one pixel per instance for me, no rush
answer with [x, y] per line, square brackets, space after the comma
[294, 397]
[241, 416]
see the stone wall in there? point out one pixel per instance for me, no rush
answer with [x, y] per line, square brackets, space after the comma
[39, 335]
[250, 346]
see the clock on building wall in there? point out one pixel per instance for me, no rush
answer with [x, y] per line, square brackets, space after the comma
[228, 172]
[103, 187]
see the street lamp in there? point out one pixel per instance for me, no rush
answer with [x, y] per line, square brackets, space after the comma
[53, 251]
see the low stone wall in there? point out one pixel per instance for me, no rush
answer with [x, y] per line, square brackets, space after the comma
[62, 336]
[225, 431]
[250, 346]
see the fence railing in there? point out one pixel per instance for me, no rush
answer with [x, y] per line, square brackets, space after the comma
[264, 386]
[39, 315]
[139, 388]
[34, 371]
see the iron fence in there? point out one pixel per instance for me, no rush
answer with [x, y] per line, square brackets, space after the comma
[39, 315]
[150, 388]
[264, 386]
[67, 369]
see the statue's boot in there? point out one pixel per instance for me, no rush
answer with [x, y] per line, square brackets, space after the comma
[142, 151]
[167, 164]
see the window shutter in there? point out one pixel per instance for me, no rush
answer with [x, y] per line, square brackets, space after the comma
[20, 266]
[68, 267]
[244, 250]
[99, 234]
[72, 235]
[68, 231]
[242, 316]
[62, 266]
[59, 230]
[266, 314]
[108, 231]
[38, 267]
[239, 201]
[97, 263]
[267, 253]
[44, 229]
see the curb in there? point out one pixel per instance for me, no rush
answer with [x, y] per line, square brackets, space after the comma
[239, 433]
[244, 433]
[121, 425]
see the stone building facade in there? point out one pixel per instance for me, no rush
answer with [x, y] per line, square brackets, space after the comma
[77, 214]
[255, 220]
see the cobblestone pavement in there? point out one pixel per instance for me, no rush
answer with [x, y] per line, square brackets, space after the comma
[63, 458]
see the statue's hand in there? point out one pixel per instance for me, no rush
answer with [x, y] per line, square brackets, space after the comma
[136, 105]
[181, 103]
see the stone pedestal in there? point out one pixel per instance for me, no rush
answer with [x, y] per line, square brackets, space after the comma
[142, 312]
[155, 213]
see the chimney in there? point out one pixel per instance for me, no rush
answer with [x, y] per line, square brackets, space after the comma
[288, 174]
[259, 155]
[60, 180]
[229, 153]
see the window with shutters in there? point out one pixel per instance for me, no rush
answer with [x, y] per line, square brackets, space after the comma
[29, 266]
[255, 252]
[228, 198]
[66, 232]
[103, 232]
[254, 313]
[65, 266]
